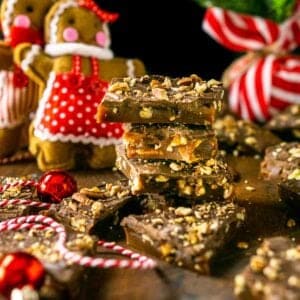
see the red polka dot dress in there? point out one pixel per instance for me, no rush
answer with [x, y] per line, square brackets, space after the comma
[67, 110]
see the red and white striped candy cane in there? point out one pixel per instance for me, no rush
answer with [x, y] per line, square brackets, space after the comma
[39, 222]
[27, 202]
[18, 183]
[270, 81]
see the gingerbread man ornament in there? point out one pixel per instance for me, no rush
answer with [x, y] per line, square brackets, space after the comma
[74, 71]
[21, 21]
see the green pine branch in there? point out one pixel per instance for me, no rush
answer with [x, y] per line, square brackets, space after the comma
[276, 10]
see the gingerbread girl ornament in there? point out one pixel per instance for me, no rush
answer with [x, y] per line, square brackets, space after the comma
[21, 21]
[74, 70]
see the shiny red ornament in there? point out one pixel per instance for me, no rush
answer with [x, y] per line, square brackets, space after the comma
[18, 270]
[54, 186]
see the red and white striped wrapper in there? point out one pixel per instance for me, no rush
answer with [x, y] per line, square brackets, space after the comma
[267, 80]
[39, 222]
[16, 102]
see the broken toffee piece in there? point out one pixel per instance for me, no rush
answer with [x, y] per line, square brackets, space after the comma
[175, 142]
[159, 99]
[184, 236]
[63, 280]
[273, 273]
[13, 192]
[287, 122]
[282, 162]
[209, 179]
[243, 136]
[85, 209]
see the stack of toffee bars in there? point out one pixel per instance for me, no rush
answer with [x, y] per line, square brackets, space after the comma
[169, 144]
[170, 148]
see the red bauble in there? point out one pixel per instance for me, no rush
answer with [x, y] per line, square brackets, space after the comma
[54, 186]
[18, 270]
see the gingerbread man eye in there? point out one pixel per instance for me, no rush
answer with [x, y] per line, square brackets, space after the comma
[29, 8]
[71, 21]
[101, 38]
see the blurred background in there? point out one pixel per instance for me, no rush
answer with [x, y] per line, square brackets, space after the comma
[167, 36]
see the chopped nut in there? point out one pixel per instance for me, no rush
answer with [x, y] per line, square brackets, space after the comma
[161, 178]
[295, 174]
[295, 152]
[167, 83]
[157, 221]
[213, 82]
[146, 113]
[183, 211]
[258, 263]
[291, 223]
[239, 284]
[118, 86]
[200, 88]
[250, 140]
[228, 191]
[294, 281]
[185, 81]
[250, 188]
[166, 249]
[175, 167]
[240, 216]
[160, 94]
[270, 273]
[96, 208]
[178, 140]
[242, 245]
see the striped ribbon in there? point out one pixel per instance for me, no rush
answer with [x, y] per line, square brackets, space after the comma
[39, 222]
[267, 79]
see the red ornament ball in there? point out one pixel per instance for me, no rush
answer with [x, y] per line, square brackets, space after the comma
[18, 270]
[54, 186]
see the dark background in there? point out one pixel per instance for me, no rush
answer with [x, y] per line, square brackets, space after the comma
[167, 36]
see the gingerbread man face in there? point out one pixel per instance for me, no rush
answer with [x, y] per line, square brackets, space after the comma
[78, 22]
[78, 25]
[23, 20]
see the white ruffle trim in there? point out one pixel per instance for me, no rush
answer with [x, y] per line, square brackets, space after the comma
[130, 68]
[7, 20]
[30, 56]
[46, 136]
[78, 49]
[55, 19]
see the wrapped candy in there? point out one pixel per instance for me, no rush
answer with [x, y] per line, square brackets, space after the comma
[267, 78]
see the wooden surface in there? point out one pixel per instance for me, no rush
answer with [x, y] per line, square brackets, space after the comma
[267, 217]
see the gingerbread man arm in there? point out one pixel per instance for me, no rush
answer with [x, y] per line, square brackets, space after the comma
[6, 56]
[34, 62]
[120, 67]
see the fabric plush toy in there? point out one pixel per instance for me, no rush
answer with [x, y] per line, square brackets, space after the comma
[21, 21]
[74, 72]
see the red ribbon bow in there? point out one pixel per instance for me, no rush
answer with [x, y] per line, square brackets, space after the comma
[268, 78]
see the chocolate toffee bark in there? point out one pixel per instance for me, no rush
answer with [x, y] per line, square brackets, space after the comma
[243, 136]
[63, 280]
[208, 179]
[286, 122]
[158, 99]
[14, 192]
[85, 209]
[175, 142]
[184, 236]
[273, 273]
[282, 162]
